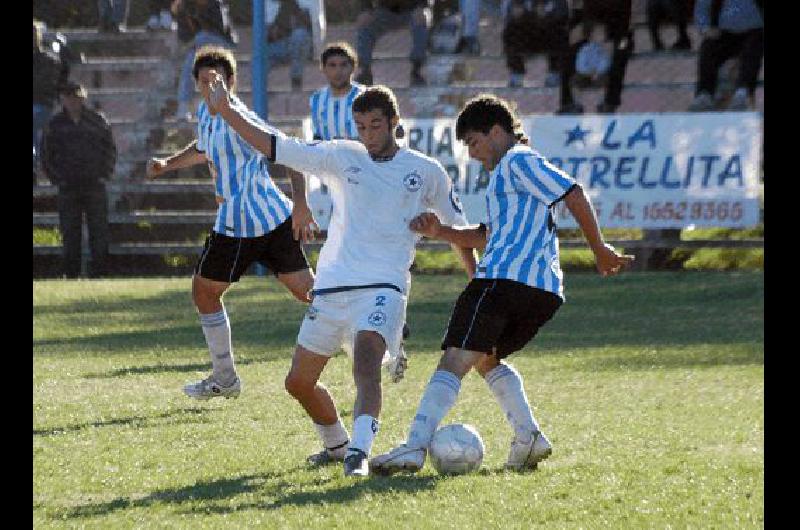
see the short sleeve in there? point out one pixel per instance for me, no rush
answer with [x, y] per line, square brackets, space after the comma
[318, 157]
[540, 178]
[444, 199]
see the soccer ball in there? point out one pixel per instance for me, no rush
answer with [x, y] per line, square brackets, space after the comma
[456, 449]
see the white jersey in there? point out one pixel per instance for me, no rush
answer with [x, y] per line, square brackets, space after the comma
[369, 240]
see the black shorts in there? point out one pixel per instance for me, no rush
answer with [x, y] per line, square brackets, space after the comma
[498, 315]
[226, 258]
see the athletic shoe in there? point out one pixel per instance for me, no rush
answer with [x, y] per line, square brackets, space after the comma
[209, 388]
[356, 463]
[327, 456]
[401, 458]
[528, 455]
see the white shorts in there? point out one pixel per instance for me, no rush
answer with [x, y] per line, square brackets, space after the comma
[333, 319]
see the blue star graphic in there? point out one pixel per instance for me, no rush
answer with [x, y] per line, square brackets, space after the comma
[576, 134]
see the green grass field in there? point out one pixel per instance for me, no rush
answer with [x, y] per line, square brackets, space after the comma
[649, 385]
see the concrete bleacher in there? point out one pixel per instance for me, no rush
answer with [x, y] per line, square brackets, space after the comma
[132, 78]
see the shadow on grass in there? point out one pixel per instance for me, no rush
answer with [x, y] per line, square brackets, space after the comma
[184, 415]
[162, 368]
[270, 484]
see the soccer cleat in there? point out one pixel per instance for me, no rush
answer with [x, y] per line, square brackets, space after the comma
[528, 455]
[401, 458]
[328, 456]
[397, 364]
[209, 388]
[356, 463]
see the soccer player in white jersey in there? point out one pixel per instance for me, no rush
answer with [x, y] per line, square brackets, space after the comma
[363, 266]
[332, 119]
[255, 222]
[518, 286]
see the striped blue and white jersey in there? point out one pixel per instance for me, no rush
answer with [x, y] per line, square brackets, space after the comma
[522, 243]
[332, 117]
[250, 204]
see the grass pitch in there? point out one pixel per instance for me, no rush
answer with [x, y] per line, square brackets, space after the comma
[649, 385]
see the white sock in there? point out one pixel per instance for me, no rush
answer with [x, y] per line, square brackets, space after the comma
[365, 427]
[217, 329]
[506, 385]
[334, 437]
[439, 397]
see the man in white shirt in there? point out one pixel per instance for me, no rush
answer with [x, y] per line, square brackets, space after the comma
[363, 267]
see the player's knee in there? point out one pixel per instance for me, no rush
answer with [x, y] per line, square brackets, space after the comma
[298, 386]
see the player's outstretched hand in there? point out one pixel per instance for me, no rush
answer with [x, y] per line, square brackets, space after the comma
[426, 224]
[303, 224]
[155, 167]
[609, 261]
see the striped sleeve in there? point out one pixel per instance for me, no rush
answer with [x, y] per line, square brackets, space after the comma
[313, 103]
[540, 178]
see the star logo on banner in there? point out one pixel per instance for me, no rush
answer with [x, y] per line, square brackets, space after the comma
[577, 134]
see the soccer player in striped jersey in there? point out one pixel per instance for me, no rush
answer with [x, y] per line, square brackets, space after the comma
[332, 105]
[518, 286]
[255, 222]
[363, 267]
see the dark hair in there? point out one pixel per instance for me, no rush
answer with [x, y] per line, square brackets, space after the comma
[212, 57]
[342, 49]
[483, 112]
[377, 97]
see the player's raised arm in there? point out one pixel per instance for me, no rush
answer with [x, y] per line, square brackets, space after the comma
[216, 96]
[186, 157]
[607, 259]
[314, 157]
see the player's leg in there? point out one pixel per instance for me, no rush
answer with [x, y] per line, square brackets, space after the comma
[377, 316]
[299, 283]
[302, 383]
[475, 324]
[221, 263]
[321, 333]
[369, 349]
[533, 309]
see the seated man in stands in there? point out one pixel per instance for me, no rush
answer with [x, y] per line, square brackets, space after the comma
[208, 21]
[377, 17]
[729, 27]
[536, 27]
[289, 39]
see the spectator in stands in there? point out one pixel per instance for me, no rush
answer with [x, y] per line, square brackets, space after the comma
[289, 39]
[535, 27]
[160, 16]
[728, 28]
[49, 72]
[208, 22]
[112, 15]
[675, 10]
[79, 156]
[378, 16]
[615, 16]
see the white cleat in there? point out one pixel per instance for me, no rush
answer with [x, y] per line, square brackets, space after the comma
[209, 388]
[401, 458]
[524, 456]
